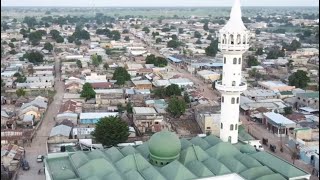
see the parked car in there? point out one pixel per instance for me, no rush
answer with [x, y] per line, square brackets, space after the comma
[40, 158]
[25, 165]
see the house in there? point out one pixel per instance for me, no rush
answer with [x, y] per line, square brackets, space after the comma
[259, 94]
[133, 68]
[181, 82]
[15, 136]
[60, 133]
[308, 99]
[11, 155]
[102, 85]
[36, 85]
[28, 120]
[147, 119]
[73, 87]
[208, 75]
[36, 107]
[161, 83]
[72, 117]
[110, 96]
[278, 124]
[71, 106]
[275, 86]
[142, 84]
[94, 117]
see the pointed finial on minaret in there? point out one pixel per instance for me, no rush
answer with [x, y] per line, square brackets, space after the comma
[236, 10]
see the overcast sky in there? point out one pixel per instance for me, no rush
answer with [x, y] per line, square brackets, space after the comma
[132, 3]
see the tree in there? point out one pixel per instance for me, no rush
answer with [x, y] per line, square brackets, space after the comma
[275, 53]
[11, 45]
[293, 46]
[154, 34]
[77, 42]
[158, 40]
[299, 79]
[176, 107]
[197, 34]
[259, 51]
[106, 66]
[198, 41]
[174, 37]
[180, 30]
[13, 51]
[129, 108]
[166, 29]
[146, 30]
[173, 44]
[209, 37]
[186, 97]
[287, 110]
[212, 49]
[255, 74]
[79, 63]
[54, 34]
[13, 40]
[71, 39]
[115, 35]
[173, 90]
[34, 57]
[20, 92]
[96, 60]
[258, 31]
[127, 38]
[111, 131]
[87, 92]
[48, 46]
[252, 61]
[121, 75]
[206, 26]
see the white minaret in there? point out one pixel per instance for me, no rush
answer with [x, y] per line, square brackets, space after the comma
[233, 42]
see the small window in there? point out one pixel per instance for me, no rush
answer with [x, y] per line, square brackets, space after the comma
[231, 127]
[222, 99]
[161, 163]
[221, 126]
[236, 127]
[234, 60]
[233, 100]
[225, 60]
[239, 60]
[233, 83]
[238, 99]
[208, 127]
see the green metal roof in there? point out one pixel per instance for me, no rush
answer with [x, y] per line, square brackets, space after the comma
[311, 95]
[199, 158]
[286, 93]
[278, 165]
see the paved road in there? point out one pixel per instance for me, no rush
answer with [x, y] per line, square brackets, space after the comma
[38, 145]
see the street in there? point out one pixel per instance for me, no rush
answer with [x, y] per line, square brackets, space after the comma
[38, 145]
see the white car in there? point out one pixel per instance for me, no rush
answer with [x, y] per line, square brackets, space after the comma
[40, 158]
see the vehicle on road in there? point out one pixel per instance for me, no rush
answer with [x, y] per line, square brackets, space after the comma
[25, 165]
[40, 158]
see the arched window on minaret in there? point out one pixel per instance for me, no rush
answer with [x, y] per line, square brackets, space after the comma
[225, 60]
[231, 127]
[233, 83]
[238, 100]
[244, 41]
[234, 60]
[224, 39]
[221, 126]
[231, 39]
[239, 60]
[222, 98]
[233, 100]
[238, 39]
[236, 127]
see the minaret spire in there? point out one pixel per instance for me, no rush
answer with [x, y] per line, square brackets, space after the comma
[236, 10]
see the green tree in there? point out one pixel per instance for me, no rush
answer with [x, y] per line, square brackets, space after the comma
[71, 39]
[176, 107]
[206, 26]
[13, 51]
[34, 57]
[299, 79]
[258, 31]
[255, 74]
[11, 45]
[48, 46]
[96, 60]
[198, 41]
[146, 30]
[54, 34]
[173, 44]
[209, 37]
[186, 97]
[129, 108]
[287, 110]
[180, 30]
[111, 131]
[77, 42]
[173, 90]
[157, 61]
[127, 38]
[174, 37]
[79, 63]
[259, 51]
[275, 53]
[59, 39]
[197, 34]
[125, 31]
[106, 66]
[20, 92]
[13, 40]
[121, 75]
[87, 92]
[212, 49]
[158, 40]
[252, 61]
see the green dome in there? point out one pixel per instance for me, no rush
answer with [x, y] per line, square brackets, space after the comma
[164, 145]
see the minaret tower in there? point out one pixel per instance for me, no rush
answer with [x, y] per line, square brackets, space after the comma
[233, 42]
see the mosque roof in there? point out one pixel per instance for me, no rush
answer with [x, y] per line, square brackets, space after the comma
[200, 157]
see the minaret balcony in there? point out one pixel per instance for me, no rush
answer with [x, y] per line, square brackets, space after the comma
[238, 88]
[233, 47]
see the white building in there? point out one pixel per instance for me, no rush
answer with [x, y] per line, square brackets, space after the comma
[233, 42]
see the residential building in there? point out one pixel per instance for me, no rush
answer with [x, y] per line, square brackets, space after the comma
[94, 117]
[308, 99]
[146, 119]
